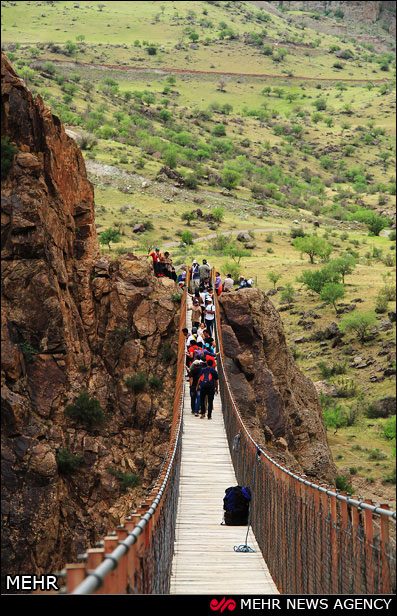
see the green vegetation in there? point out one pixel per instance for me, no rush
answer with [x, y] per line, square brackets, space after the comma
[136, 382]
[67, 462]
[86, 410]
[8, 150]
[306, 166]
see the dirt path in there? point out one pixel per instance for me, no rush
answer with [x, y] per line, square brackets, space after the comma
[148, 69]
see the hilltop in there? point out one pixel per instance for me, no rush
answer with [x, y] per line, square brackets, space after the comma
[264, 118]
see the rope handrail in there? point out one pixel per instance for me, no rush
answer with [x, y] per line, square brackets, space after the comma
[362, 504]
[333, 541]
[96, 578]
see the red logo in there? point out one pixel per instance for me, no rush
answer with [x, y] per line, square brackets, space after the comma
[222, 605]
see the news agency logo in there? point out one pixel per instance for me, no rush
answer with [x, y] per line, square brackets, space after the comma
[223, 604]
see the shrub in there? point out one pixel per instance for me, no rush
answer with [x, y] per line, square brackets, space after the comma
[219, 130]
[359, 323]
[389, 428]
[336, 368]
[288, 294]
[127, 480]
[28, 352]
[176, 298]
[155, 382]
[381, 304]
[230, 178]
[191, 182]
[187, 238]
[347, 388]
[7, 155]
[342, 483]
[110, 235]
[67, 462]
[136, 382]
[297, 232]
[86, 410]
[167, 354]
[117, 337]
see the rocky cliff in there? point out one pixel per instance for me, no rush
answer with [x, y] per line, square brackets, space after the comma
[279, 404]
[72, 323]
[360, 12]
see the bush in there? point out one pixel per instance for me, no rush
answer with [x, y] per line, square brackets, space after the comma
[86, 410]
[359, 323]
[191, 182]
[342, 483]
[127, 480]
[336, 368]
[67, 462]
[297, 232]
[389, 428]
[136, 382]
[7, 155]
[155, 382]
[167, 354]
[117, 337]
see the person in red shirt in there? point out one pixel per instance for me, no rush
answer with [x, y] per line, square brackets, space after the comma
[157, 265]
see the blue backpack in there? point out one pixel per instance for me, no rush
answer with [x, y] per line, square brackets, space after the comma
[236, 505]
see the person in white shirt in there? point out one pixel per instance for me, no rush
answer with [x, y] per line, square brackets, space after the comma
[209, 315]
[194, 337]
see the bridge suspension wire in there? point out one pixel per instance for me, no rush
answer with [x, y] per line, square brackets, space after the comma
[314, 539]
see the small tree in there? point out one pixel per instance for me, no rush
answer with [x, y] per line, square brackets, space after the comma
[344, 265]
[187, 238]
[274, 277]
[188, 216]
[288, 294]
[313, 246]
[218, 214]
[110, 235]
[230, 178]
[331, 292]
[359, 323]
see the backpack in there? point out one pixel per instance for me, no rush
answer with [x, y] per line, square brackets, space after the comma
[236, 505]
[206, 380]
[198, 353]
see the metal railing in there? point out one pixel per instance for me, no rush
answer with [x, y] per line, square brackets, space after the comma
[315, 540]
[137, 557]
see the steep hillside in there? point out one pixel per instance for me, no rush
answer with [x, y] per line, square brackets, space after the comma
[88, 352]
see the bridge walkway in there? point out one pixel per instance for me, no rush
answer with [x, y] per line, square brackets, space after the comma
[204, 560]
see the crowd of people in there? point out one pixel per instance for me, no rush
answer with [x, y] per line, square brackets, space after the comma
[201, 354]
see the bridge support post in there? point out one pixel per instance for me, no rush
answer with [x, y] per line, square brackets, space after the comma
[334, 545]
[122, 534]
[94, 559]
[369, 540]
[385, 538]
[110, 585]
[75, 574]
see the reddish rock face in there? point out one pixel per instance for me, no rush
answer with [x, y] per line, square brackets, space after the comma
[72, 321]
[278, 402]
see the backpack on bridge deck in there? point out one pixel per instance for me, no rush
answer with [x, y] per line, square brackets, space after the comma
[236, 505]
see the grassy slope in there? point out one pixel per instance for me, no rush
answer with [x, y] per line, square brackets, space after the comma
[109, 39]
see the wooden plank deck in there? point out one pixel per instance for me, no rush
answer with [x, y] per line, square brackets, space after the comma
[204, 559]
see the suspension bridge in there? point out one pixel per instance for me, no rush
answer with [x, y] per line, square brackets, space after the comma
[303, 537]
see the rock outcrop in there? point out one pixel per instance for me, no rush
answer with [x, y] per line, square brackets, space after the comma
[72, 322]
[279, 404]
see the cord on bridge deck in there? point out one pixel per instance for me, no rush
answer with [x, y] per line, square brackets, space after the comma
[245, 547]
